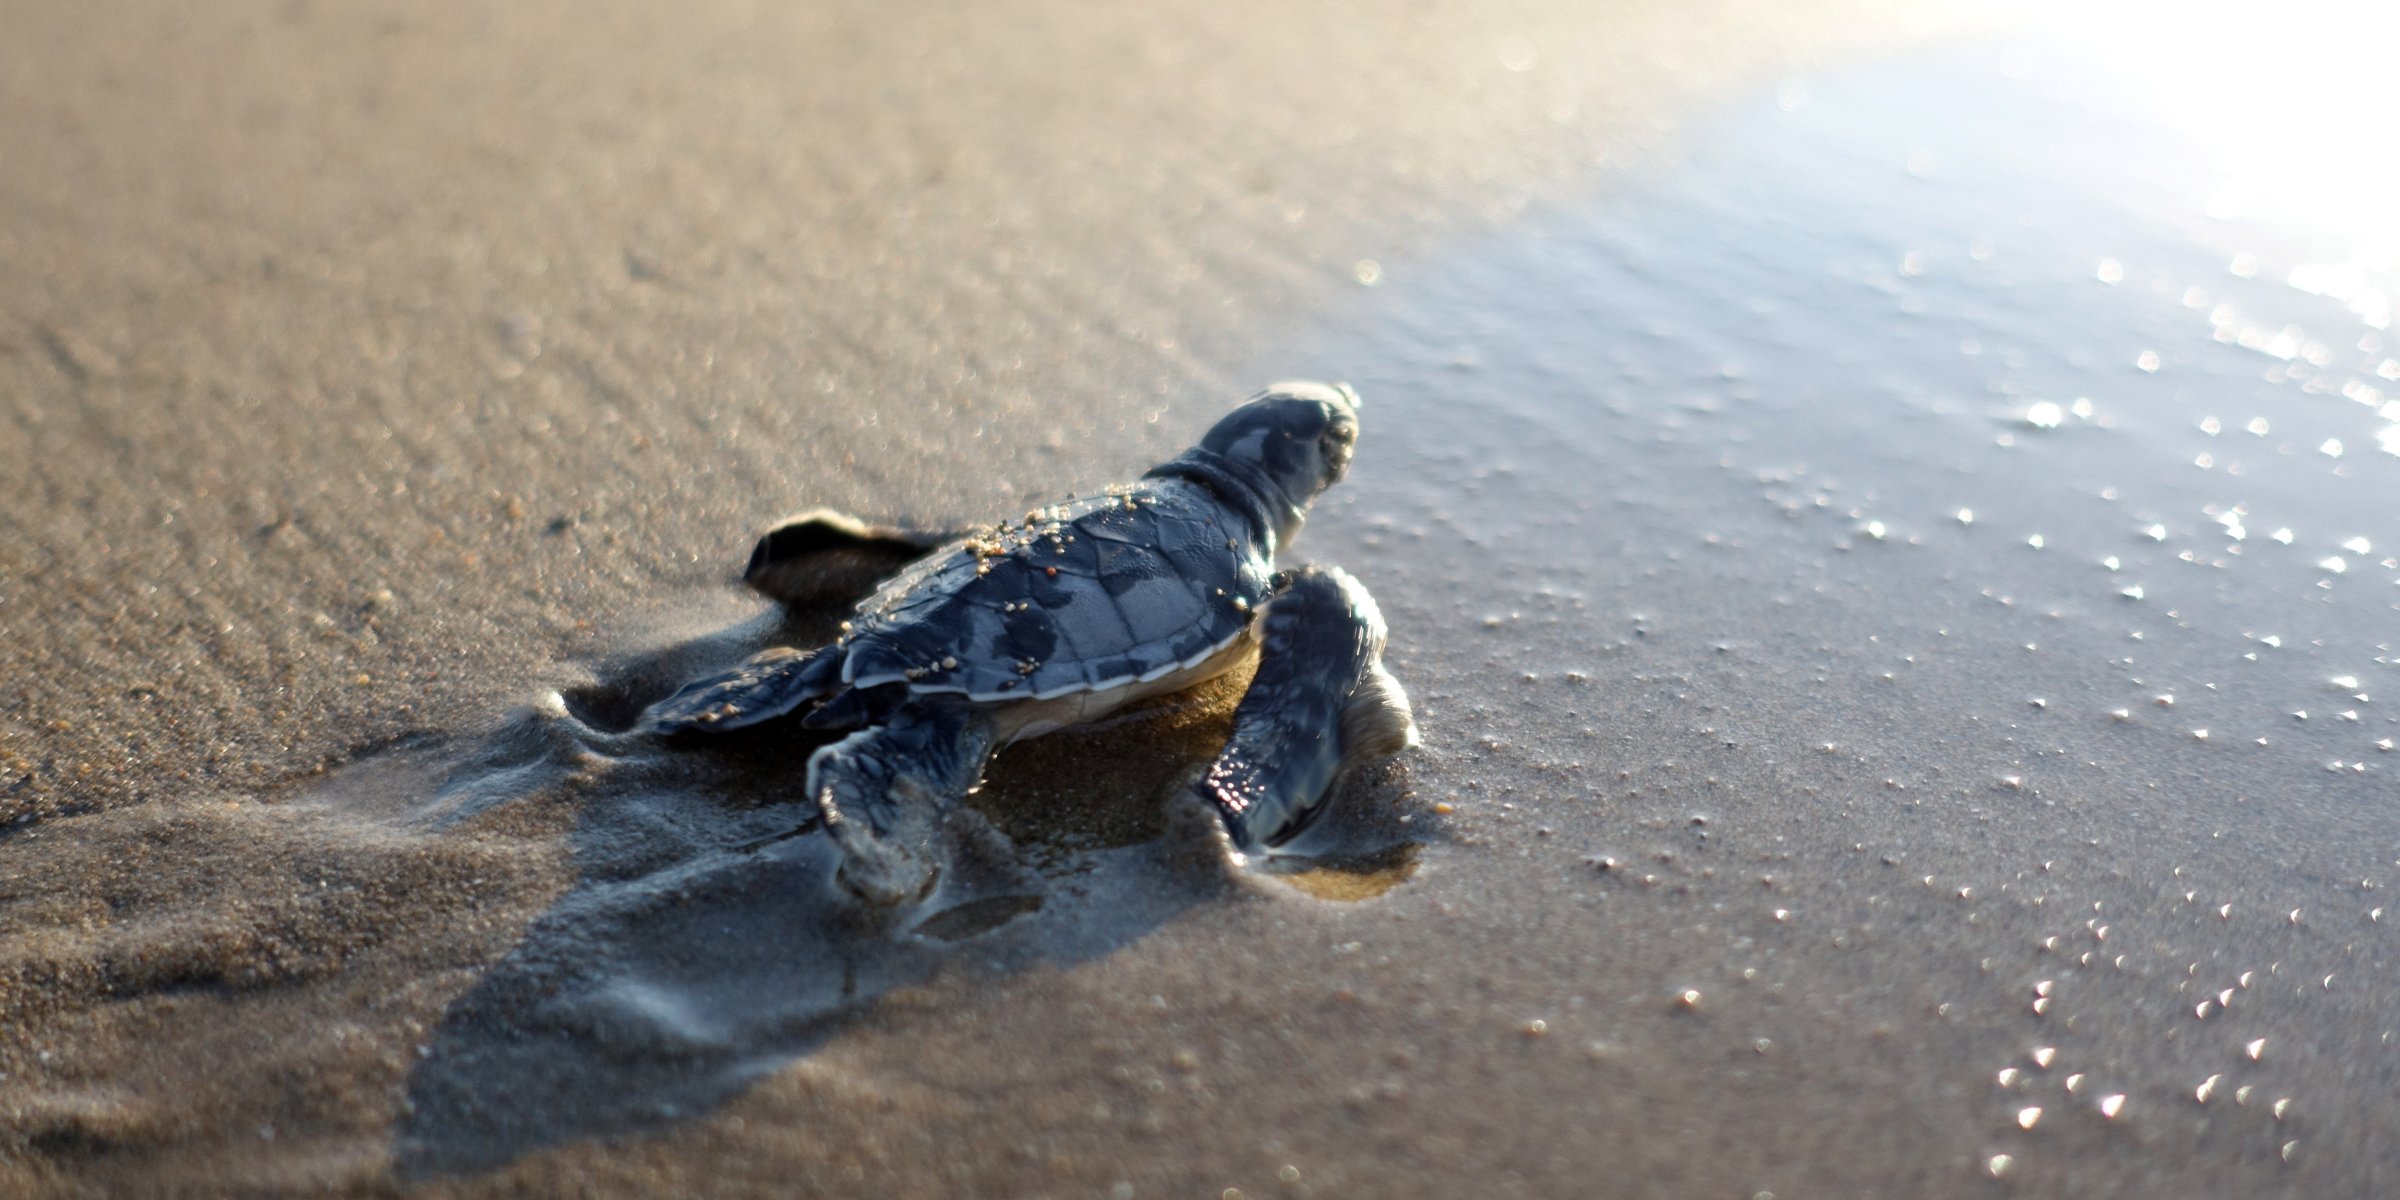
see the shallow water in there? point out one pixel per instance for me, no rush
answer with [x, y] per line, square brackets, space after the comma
[1911, 576]
[1861, 580]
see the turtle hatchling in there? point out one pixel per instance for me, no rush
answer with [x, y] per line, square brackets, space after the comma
[1030, 626]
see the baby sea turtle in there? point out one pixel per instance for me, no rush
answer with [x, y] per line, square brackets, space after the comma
[1031, 626]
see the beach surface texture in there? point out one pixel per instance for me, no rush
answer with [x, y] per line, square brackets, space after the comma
[1888, 533]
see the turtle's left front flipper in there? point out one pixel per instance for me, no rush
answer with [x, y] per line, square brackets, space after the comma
[1320, 704]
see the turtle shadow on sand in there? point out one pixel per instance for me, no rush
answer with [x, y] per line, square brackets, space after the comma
[705, 943]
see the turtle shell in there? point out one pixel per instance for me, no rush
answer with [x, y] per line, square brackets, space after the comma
[1083, 596]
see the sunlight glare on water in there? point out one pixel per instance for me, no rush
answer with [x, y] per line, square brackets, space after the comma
[2289, 104]
[2287, 110]
[2032, 555]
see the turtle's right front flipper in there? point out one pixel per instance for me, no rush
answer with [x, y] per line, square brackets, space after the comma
[1320, 704]
[826, 557]
[765, 686]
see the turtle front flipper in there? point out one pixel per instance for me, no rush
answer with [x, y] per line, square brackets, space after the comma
[764, 686]
[826, 557]
[884, 791]
[1320, 704]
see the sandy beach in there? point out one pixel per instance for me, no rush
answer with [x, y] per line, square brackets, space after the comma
[1890, 546]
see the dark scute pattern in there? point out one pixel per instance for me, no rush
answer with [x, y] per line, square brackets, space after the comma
[1123, 564]
[1030, 634]
[1136, 587]
[1159, 609]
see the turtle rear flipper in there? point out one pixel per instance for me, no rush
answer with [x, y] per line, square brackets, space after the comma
[1320, 704]
[826, 557]
[885, 790]
[764, 686]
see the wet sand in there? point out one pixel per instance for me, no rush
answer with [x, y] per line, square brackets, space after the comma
[391, 397]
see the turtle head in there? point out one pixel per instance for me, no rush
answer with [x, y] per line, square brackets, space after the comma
[1297, 435]
[1270, 457]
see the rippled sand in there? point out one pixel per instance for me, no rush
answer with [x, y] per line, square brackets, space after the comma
[1895, 569]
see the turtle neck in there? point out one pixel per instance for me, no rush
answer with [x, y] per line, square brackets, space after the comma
[1240, 486]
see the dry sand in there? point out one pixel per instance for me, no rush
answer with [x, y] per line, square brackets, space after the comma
[372, 378]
